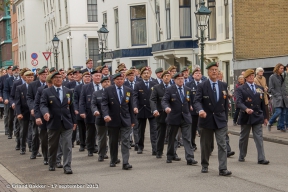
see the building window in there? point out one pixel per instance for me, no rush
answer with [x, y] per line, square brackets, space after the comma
[168, 21]
[66, 11]
[138, 25]
[59, 7]
[185, 18]
[92, 10]
[116, 27]
[212, 20]
[226, 19]
[93, 50]
[14, 9]
[68, 52]
[139, 63]
[157, 13]
[105, 23]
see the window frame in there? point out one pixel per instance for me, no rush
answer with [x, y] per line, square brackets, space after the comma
[117, 29]
[212, 6]
[138, 19]
[227, 23]
[92, 14]
[185, 6]
[168, 10]
[157, 15]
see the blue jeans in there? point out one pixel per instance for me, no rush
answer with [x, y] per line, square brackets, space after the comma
[285, 117]
[278, 112]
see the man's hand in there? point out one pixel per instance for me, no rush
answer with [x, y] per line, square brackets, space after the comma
[168, 110]
[32, 112]
[135, 110]
[202, 114]
[265, 122]
[76, 112]
[156, 113]
[1, 99]
[107, 119]
[39, 121]
[132, 125]
[83, 115]
[191, 108]
[13, 106]
[6, 101]
[249, 111]
[47, 116]
[74, 127]
[96, 113]
[20, 116]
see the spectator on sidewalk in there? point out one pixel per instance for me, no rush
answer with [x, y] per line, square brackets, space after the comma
[279, 100]
[261, 81]
[241, 81]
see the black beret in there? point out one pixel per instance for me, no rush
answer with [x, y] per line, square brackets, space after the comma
[179, 74]
[55, 73]
[104, 79]
[159, 70]
[15, 67]
[117, 75]
[43, 70]
[212, 64]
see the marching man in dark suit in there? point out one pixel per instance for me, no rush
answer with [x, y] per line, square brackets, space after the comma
[211, 101]
[22, 109]
[141, 96]
[99, 121]
[117, 109]
[158, 73]
[176, 103]
[250, 100]
[70, 78]
[86, 78]
[158, 111]
[57, 108]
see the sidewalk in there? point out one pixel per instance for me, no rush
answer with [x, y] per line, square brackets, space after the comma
[274, 136]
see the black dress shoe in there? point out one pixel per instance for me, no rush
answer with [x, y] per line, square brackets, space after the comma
[30, 150]
[154, 153]
[225, 172]
[112, 165]
[176, 159]
[192, 162]
[95, 150]
[59, 165]
[204, 170]
[9, 136]
[136, 147]
[241, 160]
[45, 162]
[140, 151]
[77, 142]
[106, 157]
[6, 133]
[118, 161]
[158, 156]
[168, 161]
[100, 158]
[264, 162]
[22, 152]
[17, 147]
[51, 168]
[126, 166]
[132, 145]
[33, 156]
[90, 154]
[68, 171]
[231, 153]
[81, 149]
[38, 155]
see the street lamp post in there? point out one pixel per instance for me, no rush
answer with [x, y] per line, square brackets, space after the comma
[102, 35]
[55, 42]
[202, 17]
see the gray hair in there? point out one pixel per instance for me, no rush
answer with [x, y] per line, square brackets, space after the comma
[259, 69]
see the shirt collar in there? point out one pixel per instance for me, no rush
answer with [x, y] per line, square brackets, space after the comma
[57, 87]
[118, 87]
[23, 81]
[197, 81]
[250, 84]
[211, 82]
[179, 87]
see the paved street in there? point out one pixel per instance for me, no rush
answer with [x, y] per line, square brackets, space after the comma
[149, 173]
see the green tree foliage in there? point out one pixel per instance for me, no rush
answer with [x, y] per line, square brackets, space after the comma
[4, 3]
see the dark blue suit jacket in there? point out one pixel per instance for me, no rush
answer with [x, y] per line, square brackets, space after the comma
[179, 110]
[2, 83]
[21, 105]
[122, 114]
[13, 90]
[245, 98]
[50, 103]
[31, 94]
[193, 88]
[77, 93]
[155, 102]
[37, 111]
[85, 102]
[217, 112]
[96, 106]
[8, 84]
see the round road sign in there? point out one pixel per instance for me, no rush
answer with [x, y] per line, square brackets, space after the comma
[34, 56]
[34, 62]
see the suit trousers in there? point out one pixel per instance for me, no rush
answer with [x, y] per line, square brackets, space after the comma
[24, 125]
[10, 120]
[35, 138]
[186, 136]
[194, 129]
[135, 132]
[16, 128]
[53, 142]
[30, 134]
[82, 132]
[258, 139]
[59, 151]
[206, 138]
[90, 136]
[6, 117]
[161, 132]
[113, 133]
[43, 135]
[153, 132]
[102, 139]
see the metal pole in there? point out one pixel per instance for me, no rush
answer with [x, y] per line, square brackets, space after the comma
[102, 55]
[202, 52]
[56, 55]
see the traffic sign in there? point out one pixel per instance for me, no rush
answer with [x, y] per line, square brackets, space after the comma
[34, 62]
[34, 56]
[46, 55]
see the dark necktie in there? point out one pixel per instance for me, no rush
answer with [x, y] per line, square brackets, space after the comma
[43, 84]
[146, 83]
[181, 94]
[161, 81]
[166, 86]
[186, 81]
[253, 90]
[215, 91]
[97, 87]
[58, 92]
[120, 93]
[131, 85]
[197, 82]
